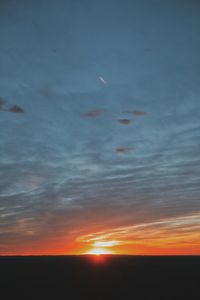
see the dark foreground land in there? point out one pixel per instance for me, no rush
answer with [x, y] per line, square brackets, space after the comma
[109, 277]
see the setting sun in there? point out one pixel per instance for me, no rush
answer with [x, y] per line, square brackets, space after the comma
[99, 251]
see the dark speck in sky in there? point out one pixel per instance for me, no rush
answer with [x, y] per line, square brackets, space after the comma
[123, 150]
[124, 121]
[135, 112]
[94, 113]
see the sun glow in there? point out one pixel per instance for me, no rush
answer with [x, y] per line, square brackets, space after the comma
[99, 251]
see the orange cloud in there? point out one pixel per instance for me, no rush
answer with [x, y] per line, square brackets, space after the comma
[168, 236]
[179, 235]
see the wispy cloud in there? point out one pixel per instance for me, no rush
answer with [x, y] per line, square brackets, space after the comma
[164, 233]
[94, 113]
[135, 112]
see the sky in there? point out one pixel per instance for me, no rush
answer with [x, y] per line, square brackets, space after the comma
[99, 127]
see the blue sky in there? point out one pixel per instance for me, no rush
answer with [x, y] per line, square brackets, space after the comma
[107, 130]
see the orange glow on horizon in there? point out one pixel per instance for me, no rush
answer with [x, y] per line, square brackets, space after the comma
[99, 251]
[168, 236]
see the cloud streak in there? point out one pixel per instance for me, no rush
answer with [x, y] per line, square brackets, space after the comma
[171, 233]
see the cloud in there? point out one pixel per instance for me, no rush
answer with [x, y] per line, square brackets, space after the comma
[16, 109]
[135, 112]
[12, 108]
[124, 121]
[123, 150]
[94, 113]
[164, 233]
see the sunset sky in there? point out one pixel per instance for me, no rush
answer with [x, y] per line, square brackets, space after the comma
[99, 127]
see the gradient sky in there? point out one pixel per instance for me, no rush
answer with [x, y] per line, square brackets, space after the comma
[100, 126]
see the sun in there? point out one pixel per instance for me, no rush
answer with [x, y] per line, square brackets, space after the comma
[99, 251]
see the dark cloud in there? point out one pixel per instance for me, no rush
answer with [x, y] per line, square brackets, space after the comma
[94, 113]
[135, 112]
[12, 108]
[16, 109]
[123, 150]
[124, 121]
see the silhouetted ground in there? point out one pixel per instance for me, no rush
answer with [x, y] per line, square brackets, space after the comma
[109, 277]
